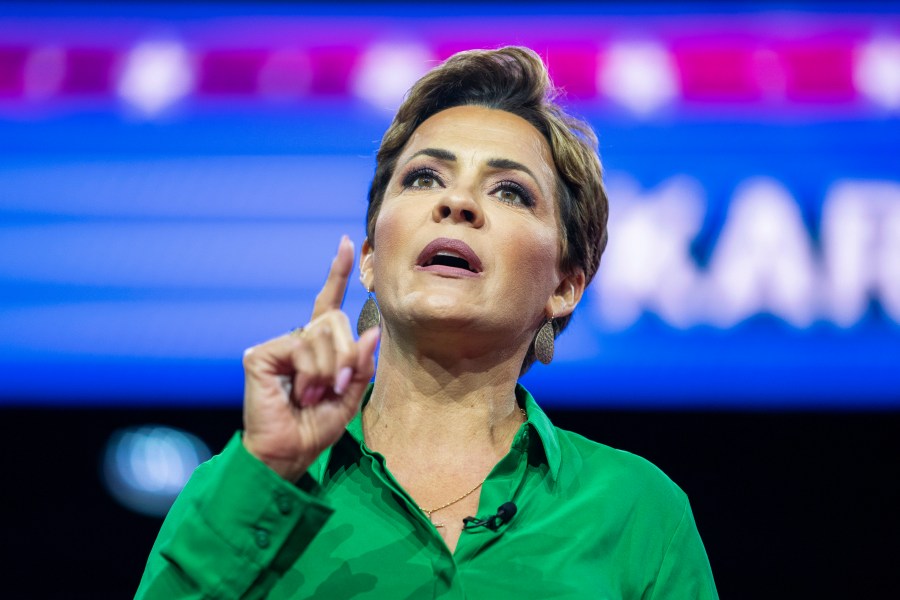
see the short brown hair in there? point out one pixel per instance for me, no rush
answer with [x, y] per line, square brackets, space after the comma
[513, 79]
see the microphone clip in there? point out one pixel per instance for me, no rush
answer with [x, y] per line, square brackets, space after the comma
[504, 514]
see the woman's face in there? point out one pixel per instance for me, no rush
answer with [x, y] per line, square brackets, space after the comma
[467, 233]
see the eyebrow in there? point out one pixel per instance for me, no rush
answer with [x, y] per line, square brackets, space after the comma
[437, 153]
[504, 164]
[509, 165]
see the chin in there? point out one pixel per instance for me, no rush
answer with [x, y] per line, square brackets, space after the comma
[443, 317]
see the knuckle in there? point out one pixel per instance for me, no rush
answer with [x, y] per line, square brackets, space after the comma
[251, 357]
[341, 318]
[309, 365]
[348, 356]
[329, 321]
[329, 315]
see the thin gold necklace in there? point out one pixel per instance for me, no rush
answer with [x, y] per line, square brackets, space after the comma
[429, 511]
[451, 503]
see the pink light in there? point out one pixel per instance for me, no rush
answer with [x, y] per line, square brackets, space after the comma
[819, 71]
[721, 60]
[12, 65]
[89, 71]
[718, 72]
[572, 68]
[233, 71]
[332, 67]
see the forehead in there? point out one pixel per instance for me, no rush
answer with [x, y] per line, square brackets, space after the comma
[479, 132]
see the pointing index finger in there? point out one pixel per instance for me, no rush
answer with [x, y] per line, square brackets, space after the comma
[332, 294]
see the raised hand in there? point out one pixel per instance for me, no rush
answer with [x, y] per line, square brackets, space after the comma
[302, 389]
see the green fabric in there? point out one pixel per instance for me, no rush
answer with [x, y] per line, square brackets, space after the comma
[592, 522]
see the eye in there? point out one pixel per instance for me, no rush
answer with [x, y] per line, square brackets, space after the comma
[422, 179]
[513, 193]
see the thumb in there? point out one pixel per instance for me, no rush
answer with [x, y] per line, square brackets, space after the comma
[364, 368]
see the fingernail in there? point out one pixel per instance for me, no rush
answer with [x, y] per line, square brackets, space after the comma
[307, 398]
[342, 380]
[319, 393]
[313, 395]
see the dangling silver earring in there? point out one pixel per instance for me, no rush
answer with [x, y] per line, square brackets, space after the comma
[369, 316]
[543, 343]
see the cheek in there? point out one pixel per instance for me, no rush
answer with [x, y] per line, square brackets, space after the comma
[389, 234]
[537, 260]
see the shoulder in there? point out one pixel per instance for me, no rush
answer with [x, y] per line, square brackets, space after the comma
[617, 475]
[591, 472]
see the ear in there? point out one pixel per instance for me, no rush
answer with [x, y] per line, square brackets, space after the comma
[567, 295]
[367, 265]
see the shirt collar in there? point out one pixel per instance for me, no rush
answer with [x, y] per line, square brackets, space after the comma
[540, 422]
[536, 419]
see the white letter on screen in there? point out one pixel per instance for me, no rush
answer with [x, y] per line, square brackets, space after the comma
[763, 260]
[648, 264]
[861, 248]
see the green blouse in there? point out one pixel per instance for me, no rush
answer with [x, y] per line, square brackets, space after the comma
[592, 522]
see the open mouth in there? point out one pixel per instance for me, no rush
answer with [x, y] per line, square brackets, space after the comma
[449, 260]
[449, 256]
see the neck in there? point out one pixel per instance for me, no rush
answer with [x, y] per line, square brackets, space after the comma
[431, 405]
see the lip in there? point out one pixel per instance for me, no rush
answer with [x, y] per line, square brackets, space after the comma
[458, 247]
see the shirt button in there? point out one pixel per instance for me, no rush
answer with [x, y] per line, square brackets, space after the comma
[262, 538]
[284, 505]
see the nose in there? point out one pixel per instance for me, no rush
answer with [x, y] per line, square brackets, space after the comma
[458, 207]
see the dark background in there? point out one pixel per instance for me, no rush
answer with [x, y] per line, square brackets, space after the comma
[789, 505]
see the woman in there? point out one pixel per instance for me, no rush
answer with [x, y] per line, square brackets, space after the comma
[486, 220]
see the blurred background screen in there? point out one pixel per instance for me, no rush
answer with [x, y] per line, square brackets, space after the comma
[175, 178]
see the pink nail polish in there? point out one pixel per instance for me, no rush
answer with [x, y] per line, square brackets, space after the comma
[306, 397]
[342, 380]
[318, 393]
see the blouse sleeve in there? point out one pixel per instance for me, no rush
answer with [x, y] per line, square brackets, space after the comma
[684, 571]
[233, 531]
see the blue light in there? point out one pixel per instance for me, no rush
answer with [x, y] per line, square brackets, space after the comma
[754, 255]
[144, 468]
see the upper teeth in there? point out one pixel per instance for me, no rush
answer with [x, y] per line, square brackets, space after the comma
[448, 253]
